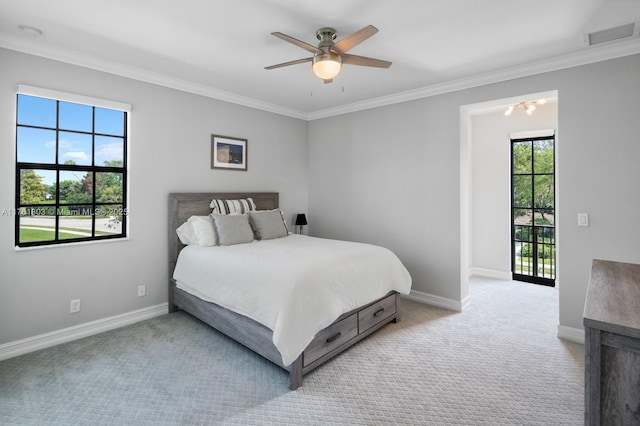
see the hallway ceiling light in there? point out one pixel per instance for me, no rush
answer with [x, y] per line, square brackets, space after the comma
[528, 106]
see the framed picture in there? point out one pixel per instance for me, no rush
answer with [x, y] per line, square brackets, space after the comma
[228, 153]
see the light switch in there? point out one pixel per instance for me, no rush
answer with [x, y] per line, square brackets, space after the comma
[583, 219]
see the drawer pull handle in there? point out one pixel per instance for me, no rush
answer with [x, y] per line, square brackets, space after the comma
[334, 337]
[378, 312]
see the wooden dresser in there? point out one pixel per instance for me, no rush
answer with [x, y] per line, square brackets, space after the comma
[612, 344]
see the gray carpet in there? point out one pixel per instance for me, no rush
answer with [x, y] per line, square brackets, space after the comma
[499, 362]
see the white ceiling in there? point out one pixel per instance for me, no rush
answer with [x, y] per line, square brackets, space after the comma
[219, 48]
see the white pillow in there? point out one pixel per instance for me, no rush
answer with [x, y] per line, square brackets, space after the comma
[198, 230]
[186, 234]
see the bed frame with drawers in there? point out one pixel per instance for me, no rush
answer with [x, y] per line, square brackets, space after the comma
[347, 330]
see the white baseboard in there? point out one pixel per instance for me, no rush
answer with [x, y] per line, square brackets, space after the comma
[572, 334]
[42, 341]
[441, 302]
[490, 273]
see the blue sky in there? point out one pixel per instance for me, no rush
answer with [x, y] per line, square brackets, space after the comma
[39, 145]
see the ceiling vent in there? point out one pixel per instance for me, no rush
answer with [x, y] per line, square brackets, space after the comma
[611, 34]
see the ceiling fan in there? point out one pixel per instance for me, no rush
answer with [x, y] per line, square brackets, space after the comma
[328, 56]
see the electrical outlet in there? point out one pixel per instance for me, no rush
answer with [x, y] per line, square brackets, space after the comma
[142, 290]
[75, 306]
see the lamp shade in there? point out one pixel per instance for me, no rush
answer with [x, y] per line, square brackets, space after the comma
[301, 219]
[327, 65]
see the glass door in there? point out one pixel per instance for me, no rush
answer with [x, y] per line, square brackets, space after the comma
[533, 252]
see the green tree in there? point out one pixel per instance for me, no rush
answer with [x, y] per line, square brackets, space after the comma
[522, 182]
[68, 190]
[533, 182]
[109, 188]
[543, 162]
[32, 190]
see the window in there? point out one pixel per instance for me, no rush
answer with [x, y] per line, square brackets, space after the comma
[71, 168]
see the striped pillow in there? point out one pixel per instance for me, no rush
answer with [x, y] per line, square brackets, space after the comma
[239, 206]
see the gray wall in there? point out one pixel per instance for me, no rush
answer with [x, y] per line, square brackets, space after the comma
[169, 152]
[391, 175]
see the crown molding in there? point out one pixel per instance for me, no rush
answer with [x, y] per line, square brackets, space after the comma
[583, 57]
[31, 47]
[588, 55]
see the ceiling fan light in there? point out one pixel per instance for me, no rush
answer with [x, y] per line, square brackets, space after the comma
[327, 65]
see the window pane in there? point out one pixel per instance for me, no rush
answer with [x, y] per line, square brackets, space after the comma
[35, 186]
[522, 191]
[522, 216]
[543, 156]
[546, 235]
[36, 145]
[74, 148]
[75, 117]
[526, 251]
[36, 225]
[544, 217]
[546, 256]
[109, 122]
[109, 219]
[35, 111]
[109, 151]
[109, 188]
[524, 233]
[543, 193]
[76, 187]
[521, 157]
[75, 222]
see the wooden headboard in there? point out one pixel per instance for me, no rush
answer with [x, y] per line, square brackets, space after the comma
[183, 205]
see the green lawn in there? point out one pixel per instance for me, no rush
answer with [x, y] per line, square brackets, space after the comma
[29, 235]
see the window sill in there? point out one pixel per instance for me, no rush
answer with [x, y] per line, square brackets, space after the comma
[79, 243]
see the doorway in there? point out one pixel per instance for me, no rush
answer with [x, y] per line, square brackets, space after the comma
[485, 133]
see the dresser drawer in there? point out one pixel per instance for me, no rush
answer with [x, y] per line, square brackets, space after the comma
[378, 312]
[331, 337]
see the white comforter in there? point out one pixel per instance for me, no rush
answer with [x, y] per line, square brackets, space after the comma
[296, 285]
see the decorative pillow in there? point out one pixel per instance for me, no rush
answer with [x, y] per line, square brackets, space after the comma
[239, 206]
[268, 224]
[198, 230]
[232, 228]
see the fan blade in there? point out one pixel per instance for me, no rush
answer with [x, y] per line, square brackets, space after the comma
[364, 61]
[351, 41]
[286, 64]
[299, 43]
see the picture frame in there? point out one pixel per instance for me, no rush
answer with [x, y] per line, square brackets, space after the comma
[228, 153]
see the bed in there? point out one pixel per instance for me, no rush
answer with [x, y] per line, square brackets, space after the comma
[257, 332]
